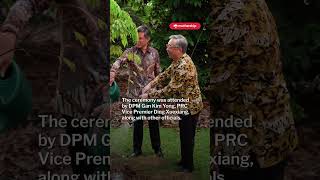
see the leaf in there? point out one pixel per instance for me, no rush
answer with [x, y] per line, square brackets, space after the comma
[115, 50]
[124, 40]
[122, 25]
[81, 38]
[134, 57]
[69, 63]
[101, 24]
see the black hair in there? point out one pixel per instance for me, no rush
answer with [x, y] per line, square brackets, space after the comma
[145, 30]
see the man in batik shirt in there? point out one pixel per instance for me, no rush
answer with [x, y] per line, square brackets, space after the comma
[247, 83]
[140, 74]
[79, 91]
[183, 84]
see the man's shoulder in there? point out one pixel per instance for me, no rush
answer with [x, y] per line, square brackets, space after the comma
[186, 62]
[186, 59]
[152, 49]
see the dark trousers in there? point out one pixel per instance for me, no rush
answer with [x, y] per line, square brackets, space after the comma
[138, 135]
[275, 172]
[81, 168]
[187, 126]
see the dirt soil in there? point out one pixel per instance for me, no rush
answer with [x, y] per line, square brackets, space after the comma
[144, 167]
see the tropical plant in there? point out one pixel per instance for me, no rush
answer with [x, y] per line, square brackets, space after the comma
[122, 28]
[158, 14]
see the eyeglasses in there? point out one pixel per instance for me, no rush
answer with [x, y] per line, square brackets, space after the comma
[171, 46]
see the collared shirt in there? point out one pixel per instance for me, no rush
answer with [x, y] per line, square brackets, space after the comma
[183, 78]
[84, 68]
[247, 82]
[140, 73]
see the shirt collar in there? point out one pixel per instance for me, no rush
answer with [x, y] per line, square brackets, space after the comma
[180, 59]
[148, 49]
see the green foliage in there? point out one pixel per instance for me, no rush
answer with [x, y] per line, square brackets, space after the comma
[102, 24]
[6, 4]
[300, 50]
[69, 63]
[158, 14]
[116, 50]
[203, 76]
[122, 26]
[300, 46]
[134, 57]
[298, 111]
[81, 38]
[299, 38]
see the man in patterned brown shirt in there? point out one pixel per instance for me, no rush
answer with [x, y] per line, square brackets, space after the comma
[140, 74]
[247, 83]
[79, 89]
[183, 77]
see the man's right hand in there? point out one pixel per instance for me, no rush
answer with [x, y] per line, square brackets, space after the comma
[7, 45]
